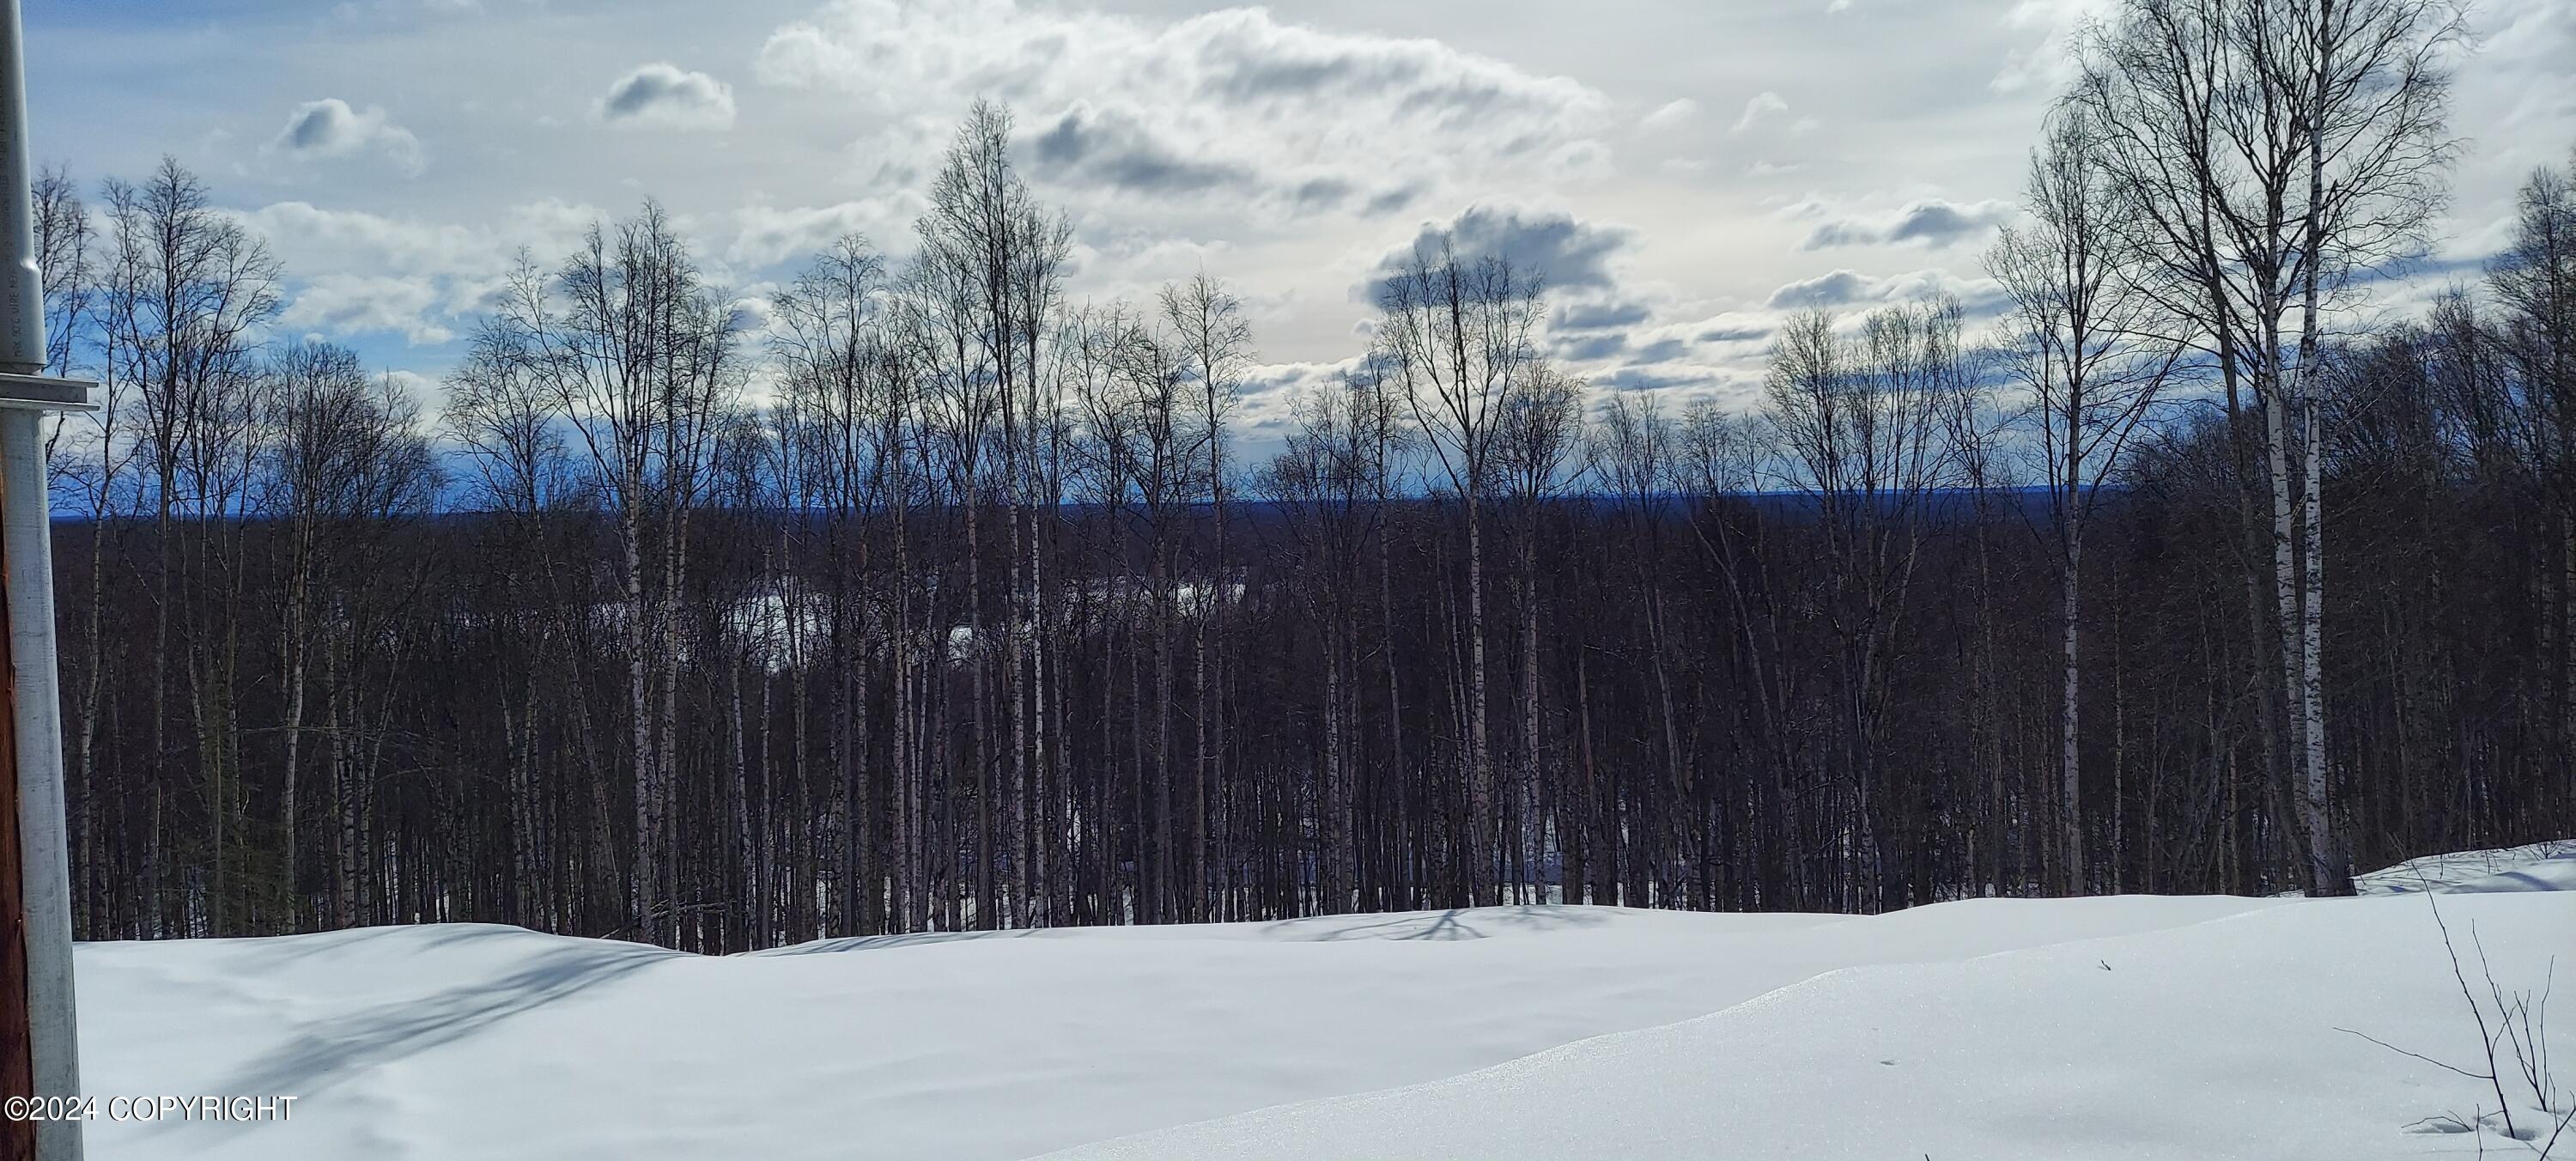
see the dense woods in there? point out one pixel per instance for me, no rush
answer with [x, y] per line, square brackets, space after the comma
[922, 595]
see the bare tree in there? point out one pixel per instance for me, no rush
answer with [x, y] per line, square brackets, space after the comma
[87, 456]
[2077, 340]
[502, 414]
[1214, 342]
[640, 356]
[186, 289]
[2535, 282]
[347, 457]
[1861, 420]
[1633, 451]
[1540, 430]
[830, 447]
[2266, 153]
[1461, 337]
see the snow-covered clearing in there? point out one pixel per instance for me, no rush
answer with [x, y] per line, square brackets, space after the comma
[2129, 1027]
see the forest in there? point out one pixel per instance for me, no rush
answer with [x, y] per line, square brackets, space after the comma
[927, 596]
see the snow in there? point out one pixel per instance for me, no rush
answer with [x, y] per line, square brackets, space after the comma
[2215, 1040]
[2128, 1026]
[2549, 866]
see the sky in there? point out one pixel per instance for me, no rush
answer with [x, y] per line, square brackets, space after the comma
[1682, 173]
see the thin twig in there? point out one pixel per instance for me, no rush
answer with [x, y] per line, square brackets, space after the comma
[2503, 1106]
[2417, 1055]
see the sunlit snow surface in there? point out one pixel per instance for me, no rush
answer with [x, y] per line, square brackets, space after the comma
[2117, 1027]
[2549, 866]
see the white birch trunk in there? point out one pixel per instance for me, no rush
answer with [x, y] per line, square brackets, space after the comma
[639, 712]
[2325, 856]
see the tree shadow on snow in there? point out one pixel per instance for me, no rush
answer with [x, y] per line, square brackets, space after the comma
[275, 951]
[332, 1051]
[874, 942]
[1435, 926]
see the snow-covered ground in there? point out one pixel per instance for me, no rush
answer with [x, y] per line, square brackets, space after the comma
[2118, 1027]
[2549, 866]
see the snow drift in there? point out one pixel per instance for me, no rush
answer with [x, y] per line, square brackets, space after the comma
[2130, 1026]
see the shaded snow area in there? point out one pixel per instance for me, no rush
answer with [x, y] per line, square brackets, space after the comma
[2549, 866]
[2114, 1027]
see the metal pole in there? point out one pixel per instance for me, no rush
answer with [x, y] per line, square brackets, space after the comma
[40, 1055]
[22, 286]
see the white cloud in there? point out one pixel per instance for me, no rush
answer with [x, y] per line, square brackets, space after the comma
[2049, 62]
[1581, 161]
[1931, 222]
[1286, 150]
[330, 128]
[1671, 113]
[1842, 288]
[765, 235]
[665, 95]
[1565, 253]
[1226, 107]
[442, 275]
[347, 304]
[1763, 105]
[412, 383]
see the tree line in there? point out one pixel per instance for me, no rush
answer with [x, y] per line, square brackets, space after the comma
[920, 595]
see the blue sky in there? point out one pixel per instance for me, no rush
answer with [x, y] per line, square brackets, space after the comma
[1686, 172]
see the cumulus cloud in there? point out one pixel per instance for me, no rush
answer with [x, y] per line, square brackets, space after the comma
[1321, 193]
[1591, 348]
[1270, 392]
[1670, 349]
[348, 304]
[1580, 161]
[1733, 329]
[1764, 105]
[1565, 253]
[1117, 149]
[1670, 114]
[2047, 62]
[665, 95]
[447, 273]
[765, 235]
[1848, 288]
[1392, 201]
[1930, 222]
[1651, 376]
[1602, 314]
[1222, 103]
[330, 128]
[1835, 289]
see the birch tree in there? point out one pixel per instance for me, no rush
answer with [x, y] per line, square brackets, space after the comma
[2268, 153]
[640, 358]
[1214, 344]
[1460, 334]
[2077, 341]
